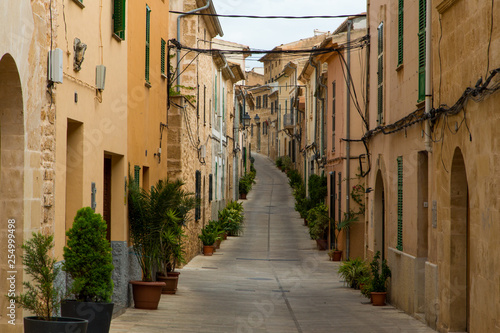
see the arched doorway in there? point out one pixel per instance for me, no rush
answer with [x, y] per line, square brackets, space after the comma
[459, 245]
[379, 215]
[11, 174]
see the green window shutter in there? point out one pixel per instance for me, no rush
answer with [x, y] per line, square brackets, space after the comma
[163, 44]
[197, 211]
[119, 19]
[215, 93]
[334, 88]
[422, 12]
[210, 187]
[148, 33]
[380, 75]
[216, 180]
[137, 170]
[400, 31]
[400, 203]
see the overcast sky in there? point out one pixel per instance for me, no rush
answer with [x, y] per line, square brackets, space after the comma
[268, 33]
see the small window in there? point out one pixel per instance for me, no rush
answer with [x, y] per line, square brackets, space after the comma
[119, 19]
[163, 44]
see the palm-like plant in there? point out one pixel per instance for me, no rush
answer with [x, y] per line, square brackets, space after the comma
[344, 224]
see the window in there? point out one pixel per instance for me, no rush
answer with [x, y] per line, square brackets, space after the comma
[400, 203]
[272, 107]
[400, 31]
[197, 210]
[333, 114]
[251, 130]
[137, 172]
[119, 19]
[210, 187]
[163, 44]
[380, 75]
[148, 32]
[422, 4]
[264, 101]
[258, 102]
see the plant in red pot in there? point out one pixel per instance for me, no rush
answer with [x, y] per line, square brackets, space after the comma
[339, 227]
[145, 234]
[89, 262]
[318, 225]
[42, 297]
[379, 280]
[208, 237]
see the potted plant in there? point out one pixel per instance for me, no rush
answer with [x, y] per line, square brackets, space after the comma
[145, 234]
[354, 272]
[245, 185]
[379, 280]
[207, 237]
[339, 226]
[89, 262]
[318, 225]
[171, 207]
[42, 298]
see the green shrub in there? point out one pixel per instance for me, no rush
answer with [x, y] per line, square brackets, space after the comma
[235, 205]
[294, 178]
[379, 275]
[287, 163]
[207, 236]
[231, 221]
[279, 162]
[318, 222]
[88, 259]
[41, 297]
[317, 188]
[245, 185]
[354, 271]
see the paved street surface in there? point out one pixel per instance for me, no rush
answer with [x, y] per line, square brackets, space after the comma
[271, 279]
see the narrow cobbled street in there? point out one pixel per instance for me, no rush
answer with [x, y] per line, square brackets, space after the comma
[271, 279]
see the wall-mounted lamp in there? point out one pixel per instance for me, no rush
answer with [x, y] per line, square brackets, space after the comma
[246, 120]
[257, 119]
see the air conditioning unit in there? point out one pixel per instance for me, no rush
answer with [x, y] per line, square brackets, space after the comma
[55, 66]
[100, 76]
[203, 151]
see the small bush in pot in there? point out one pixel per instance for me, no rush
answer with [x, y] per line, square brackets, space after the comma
[89, 262]
[42, 297]
[380, 274]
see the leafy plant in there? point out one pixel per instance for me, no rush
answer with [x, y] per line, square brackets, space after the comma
[88, 259]
[353, 271]
[344, 224]
[231, 221]
[287, 163]
[246, 183]
[358, 195]
[318, 221]
[41, 296]
[294, 178]
[379, 274]
[317, 189]
[207, 236]
[279, 162]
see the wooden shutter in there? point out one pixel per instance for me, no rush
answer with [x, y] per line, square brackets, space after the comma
[400, 203]
[137, 170]
[210, 187]
[119, 19]
[400, 31]
[148, 33]
[333, 114]
[197, 210]
[163, 44]
[422, 6]
[380, 75]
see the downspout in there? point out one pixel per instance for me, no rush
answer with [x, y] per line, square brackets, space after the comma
[236, 146]
[179, 37]
[348, 137]
[428, 89]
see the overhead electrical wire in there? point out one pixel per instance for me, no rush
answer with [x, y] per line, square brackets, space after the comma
[306, 17]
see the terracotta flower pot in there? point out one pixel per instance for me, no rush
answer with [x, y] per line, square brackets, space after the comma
[217, 244]
[305, 222]
[170, 287]
[208, 250]
[322, 244]
[243, 196]
[337, 256]
[378, 298]
[146, 294]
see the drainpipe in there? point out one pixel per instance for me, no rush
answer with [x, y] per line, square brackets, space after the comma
[235, 146]
[348, 137]
[428, 88]
[179, 37]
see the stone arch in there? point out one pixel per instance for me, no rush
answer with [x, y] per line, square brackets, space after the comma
[379, 215]
[12, 143]
[459, 245]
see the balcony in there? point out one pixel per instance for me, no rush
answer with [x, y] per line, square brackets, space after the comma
[288, 121]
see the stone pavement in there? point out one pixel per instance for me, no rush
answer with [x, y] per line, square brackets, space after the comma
[271, 279]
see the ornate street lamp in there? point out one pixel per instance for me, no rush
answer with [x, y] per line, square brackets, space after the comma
[257, 119]
[246, 120]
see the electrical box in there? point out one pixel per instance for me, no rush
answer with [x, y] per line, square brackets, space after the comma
[55, 66]
[203, 151]
[100, 76]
